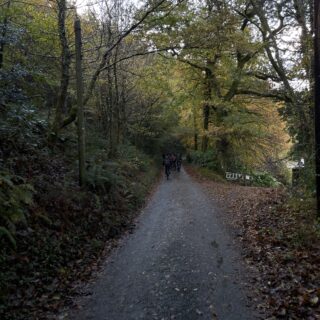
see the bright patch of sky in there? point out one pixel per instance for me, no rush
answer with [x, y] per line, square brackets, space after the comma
[289, 44]
[84, 5]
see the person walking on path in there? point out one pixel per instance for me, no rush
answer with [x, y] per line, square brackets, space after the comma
[167, 164]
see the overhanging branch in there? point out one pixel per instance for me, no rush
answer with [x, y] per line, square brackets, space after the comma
[273, 95]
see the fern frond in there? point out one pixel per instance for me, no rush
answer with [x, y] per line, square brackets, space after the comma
[4, 232]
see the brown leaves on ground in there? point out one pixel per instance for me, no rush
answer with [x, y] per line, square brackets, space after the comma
[280, 240]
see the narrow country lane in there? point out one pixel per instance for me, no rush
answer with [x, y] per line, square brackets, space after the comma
[180, 263]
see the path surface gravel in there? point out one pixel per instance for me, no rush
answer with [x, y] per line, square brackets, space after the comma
[180, 263]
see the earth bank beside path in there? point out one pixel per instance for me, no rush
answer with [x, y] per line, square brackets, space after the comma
[180, 263]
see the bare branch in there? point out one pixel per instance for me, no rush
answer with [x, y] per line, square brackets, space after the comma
[263, 76]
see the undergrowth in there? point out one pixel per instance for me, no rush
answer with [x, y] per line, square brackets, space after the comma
[208, 167]
[51, 231]
[209, 174]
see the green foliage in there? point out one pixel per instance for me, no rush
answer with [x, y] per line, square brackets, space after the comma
[69, 226]
[305, 182]
[137, 160]
[280, 171]
[264, 179]
[20, 128]
[15, 197]
[206, 159]
[116, 177]
[100, 177]
[210, 174]
[4, 232]
[209, 167]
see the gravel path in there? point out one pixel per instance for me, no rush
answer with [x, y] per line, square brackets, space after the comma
[180, 263]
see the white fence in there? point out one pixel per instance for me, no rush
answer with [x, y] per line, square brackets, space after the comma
[238, 176]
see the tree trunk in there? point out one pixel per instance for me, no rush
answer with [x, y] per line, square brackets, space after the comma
[4, 34]
[206, 109]
[81, 126]
[104, 108]
[116, 100]
[123, 114]
[110, 101]
[195, 129]
[64, 65]
[317, 97]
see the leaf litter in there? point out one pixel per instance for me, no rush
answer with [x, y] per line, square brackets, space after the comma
[279, 236]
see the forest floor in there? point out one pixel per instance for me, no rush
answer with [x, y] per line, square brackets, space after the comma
[180, 263]
[279, 238]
